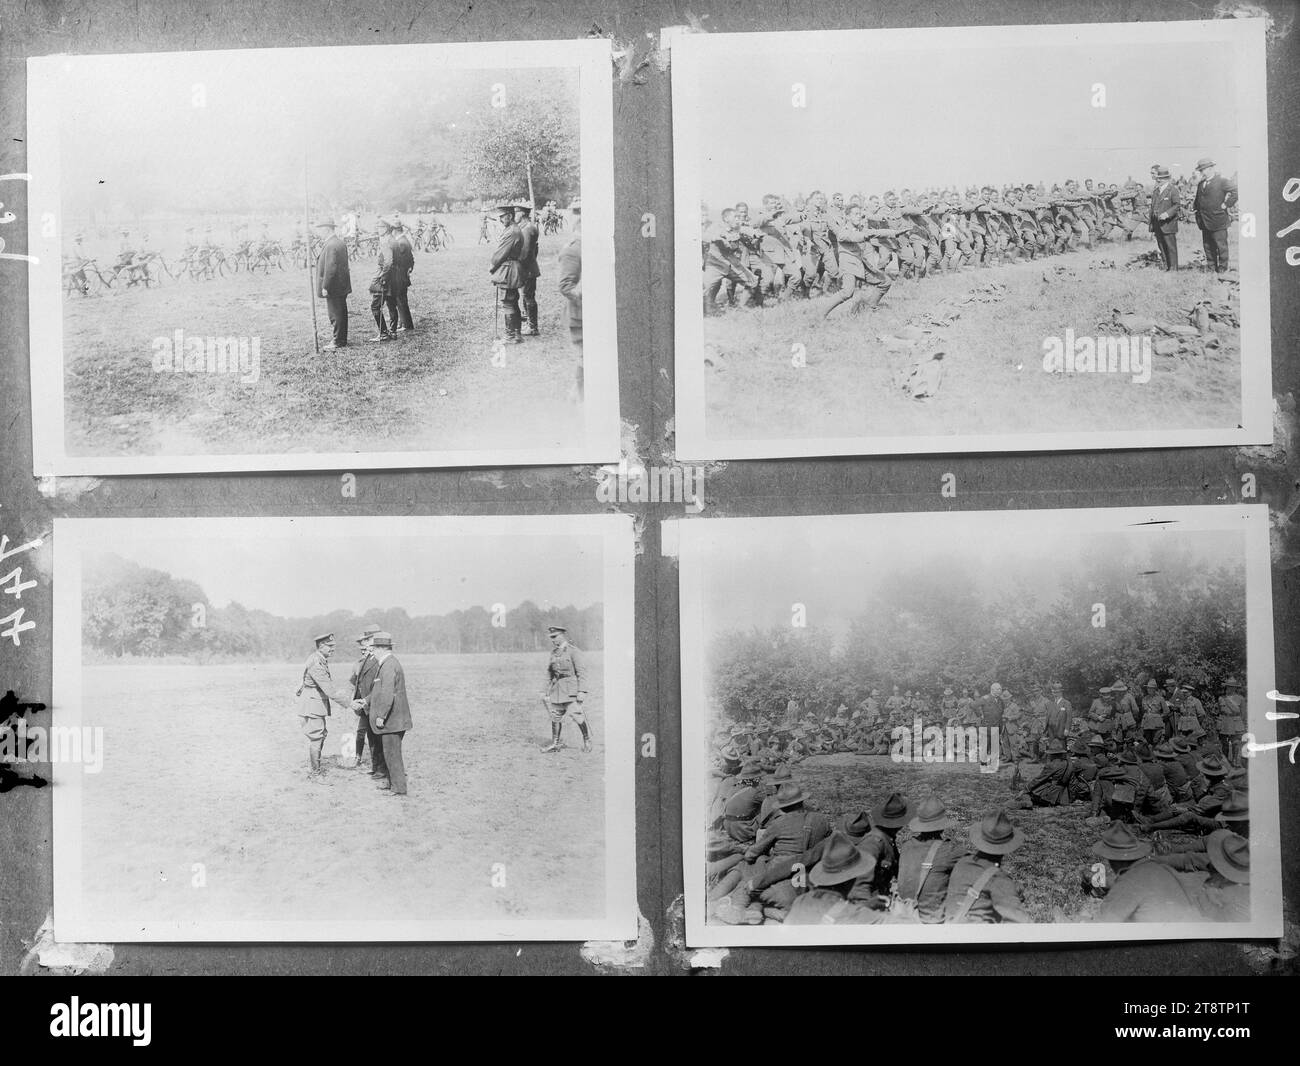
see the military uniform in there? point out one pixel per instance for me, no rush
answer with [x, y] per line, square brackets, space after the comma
[924, 871]
[507, 272]
[1148, 892]
[381, 287]
[996, 897]
[314, 695]
[403, 265]
[566, 688]
[570, 267]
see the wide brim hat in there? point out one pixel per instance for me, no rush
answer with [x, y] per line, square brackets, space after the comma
[996, 835]
[1236, 808]
[893, 813]
[1205, 161]
[858, 826]
[841, 861]
[1180, 745]
[1229, 855]
[1129, 757]
[1165, 751]
[1213, 766]
[1119, 686]
[1118, 842]
[931, 816]
[752, 768]
[1054, 747]
[790, 795]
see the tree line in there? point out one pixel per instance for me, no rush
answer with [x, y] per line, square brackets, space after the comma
[925, 629]
[132, 610]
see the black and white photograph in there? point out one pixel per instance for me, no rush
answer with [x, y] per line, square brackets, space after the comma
[340, 729]
[323, 258]
[972, 239]
[982, 727]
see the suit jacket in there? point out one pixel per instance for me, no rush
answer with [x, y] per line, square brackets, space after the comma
[571, 279]
[387, 700]
[1213, 198]
[1164, 200]
[384, 271]
[529, 258]
[318, 688]
[363, 676]
[403, 261]
[332, 274]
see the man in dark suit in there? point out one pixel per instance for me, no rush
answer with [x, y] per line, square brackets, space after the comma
[389, 713]
[1215, 194]
[334, 282]
[363, 680]
[524, 220]
[1163, 216]
[507, 269]
[403, 264]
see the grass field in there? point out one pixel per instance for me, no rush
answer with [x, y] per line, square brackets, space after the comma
[435, 389]
[993, 357]
[206, 764]
[1057, 842]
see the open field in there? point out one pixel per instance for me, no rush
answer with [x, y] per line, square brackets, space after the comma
[433, 390]
[1057, 842]
[993, 356]
[206, 764]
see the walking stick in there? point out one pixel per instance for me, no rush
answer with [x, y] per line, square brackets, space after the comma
[496, 317]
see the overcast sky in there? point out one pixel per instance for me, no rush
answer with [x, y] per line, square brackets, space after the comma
[920, 117]
[204, 122]
[754, 574]
[302, 577]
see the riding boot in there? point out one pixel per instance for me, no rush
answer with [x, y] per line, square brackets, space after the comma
[554, 745]
[586, 736]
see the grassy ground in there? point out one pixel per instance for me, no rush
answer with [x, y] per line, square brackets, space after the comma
[432, 390]
[994, 378]
[1057, 843]
[212, 769]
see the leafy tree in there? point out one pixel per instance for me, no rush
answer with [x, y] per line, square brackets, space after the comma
[531, 144]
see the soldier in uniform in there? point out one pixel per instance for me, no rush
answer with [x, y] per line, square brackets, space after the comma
[741, 812]
[566, 689]
[1201, 811]
[978, 889]
[1231, 720]
[314, 695]
[381, 285]
[1051, 788]
[880, 844]
[1127, 713]
[1154, 713]
[1143, 891]
[507, 270]
[832, 878]
[403, 264]
[363, 680]
[524, 220]
[389, 712]
[925, 863]
[334, 281]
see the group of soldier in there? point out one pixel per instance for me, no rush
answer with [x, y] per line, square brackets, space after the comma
[376, 693]
[1163, 771]
[205, 258]
[854, 249]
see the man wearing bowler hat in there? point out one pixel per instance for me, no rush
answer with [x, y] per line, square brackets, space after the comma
[363, 680]
[334, 281]
[566, 689]
[1214, 196]
[979, 891]
[1163, 216]
[314, 695]
[389, 712]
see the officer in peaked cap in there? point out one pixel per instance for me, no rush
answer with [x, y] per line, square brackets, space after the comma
[314, 696]
[566, 689]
